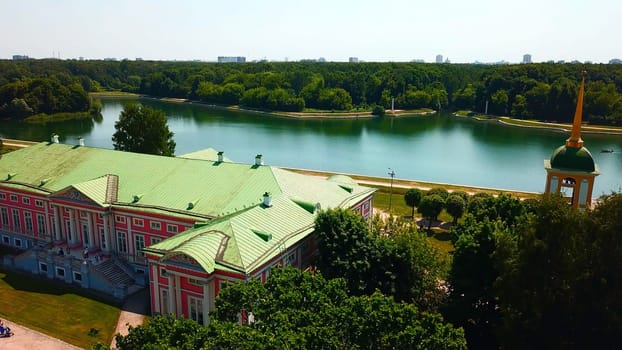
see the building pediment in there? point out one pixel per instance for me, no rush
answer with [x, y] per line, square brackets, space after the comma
[97, 192]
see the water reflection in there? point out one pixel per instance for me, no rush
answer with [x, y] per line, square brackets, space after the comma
[439, 148]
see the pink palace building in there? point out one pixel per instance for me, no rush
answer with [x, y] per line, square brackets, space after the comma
[184, 227]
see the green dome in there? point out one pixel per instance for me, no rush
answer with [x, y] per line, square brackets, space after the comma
[579, 159]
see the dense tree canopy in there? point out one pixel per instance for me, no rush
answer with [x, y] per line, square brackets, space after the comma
[544, 91]
[143, 129]
[296, 309]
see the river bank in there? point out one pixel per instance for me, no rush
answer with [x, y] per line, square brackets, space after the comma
[297, 115]
[536, 124]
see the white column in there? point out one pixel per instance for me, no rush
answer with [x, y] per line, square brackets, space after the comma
[206, 318]
[70, 228]
[57, 227]
[178, 309]
[171, 296]
[156, 288]
[89, 223]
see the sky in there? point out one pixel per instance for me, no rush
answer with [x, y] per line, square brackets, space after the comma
[277, 30]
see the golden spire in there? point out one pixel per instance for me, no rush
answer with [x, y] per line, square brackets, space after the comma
[575, 140]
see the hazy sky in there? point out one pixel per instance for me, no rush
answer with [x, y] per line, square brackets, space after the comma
[388, 30]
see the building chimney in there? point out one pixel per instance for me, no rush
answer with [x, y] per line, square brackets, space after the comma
[267, 199]
[54, 138]
[258, 160]
[81, 141]
[221, 156]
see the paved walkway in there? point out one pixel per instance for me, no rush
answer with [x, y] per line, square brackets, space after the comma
[28, 339]
[133, 312]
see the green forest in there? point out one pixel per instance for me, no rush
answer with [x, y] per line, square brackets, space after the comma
[543, 91]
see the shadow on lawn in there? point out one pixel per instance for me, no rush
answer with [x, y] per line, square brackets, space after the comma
[26, 282]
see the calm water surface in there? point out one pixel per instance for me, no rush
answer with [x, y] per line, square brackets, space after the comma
[438, 148]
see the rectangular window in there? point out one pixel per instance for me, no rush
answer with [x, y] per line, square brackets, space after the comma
[38, 203]
[194, 281]
[120, 219]
[16, 223]
[163, 272]
[289, 260]
[155, 225]
[43, 267]
[139, 244]
[18, 242]
[170, 228]
[138, 222]
[102, 235]
[121, 242]
[85, 233]
[13, 198]
[155, 240]
[77, 276]
[60, 272]
[28, 221]
[41, 224]
[196, 309]
[164, 301]
[26, 200]
[69, 233]
[4, 212]
[2, 196]
[6, 240]
[84, 214]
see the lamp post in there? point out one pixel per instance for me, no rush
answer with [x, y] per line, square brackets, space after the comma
[392, 174]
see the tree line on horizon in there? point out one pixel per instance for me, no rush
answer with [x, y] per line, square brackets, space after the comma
[545, 91]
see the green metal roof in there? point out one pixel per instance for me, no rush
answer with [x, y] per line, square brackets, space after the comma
[570, 158]
[204, 154]
[230, 193]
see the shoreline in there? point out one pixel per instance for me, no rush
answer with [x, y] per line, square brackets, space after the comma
[558, 127]
[296, 115]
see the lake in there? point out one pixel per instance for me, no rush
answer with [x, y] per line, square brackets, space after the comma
[436, 148]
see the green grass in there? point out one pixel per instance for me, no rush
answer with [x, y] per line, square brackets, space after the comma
[59, 310]
[57, 117]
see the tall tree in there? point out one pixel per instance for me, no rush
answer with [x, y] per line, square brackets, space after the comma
[430, 207]
[143, 129]
[412, 197]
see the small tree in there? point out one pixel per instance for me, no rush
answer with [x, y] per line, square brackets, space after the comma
[412, 197]
[143, 129]
[438, 191]
[430, 207]
[455, 206]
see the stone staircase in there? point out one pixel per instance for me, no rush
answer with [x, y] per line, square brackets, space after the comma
[115, 275]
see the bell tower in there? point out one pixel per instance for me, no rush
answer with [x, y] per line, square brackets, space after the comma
[571, 166]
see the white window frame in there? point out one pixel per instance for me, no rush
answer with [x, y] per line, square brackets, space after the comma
[172, 228]
[28, 226]
[119, 219]
[43, 267]
[41, 224]
[59, 269]
[2, 196]
[138, 222]
[195, 309]
[139, 244]
[155, 240]
[77, 276]
[155, 225]
[122, 242]
[4, 216]
[25, 200]
[17, 225]
[17, 242]
[13, 198]
[38, 203]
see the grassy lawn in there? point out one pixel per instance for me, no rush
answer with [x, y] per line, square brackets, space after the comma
[56, 309]
[439, 238]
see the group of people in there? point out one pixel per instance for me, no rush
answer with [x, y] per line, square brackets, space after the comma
[5, 331]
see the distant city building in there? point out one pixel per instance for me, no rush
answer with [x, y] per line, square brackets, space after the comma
[417, 60]
[615, 61]
[138, 59]
[527, 58]
[439, 58]
[447, 60]
[231, 59]
[20, 57]
[110, 59]
[353, 60]
[321, 59]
